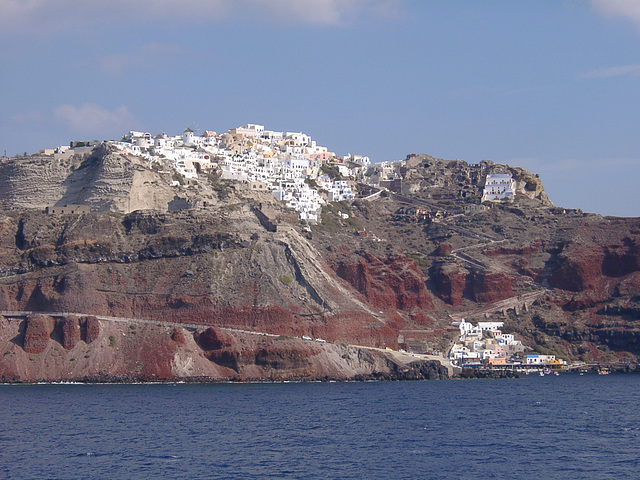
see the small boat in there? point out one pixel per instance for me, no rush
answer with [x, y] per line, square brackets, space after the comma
[604, 371]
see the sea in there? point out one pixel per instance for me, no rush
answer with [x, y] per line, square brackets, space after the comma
[554, 427]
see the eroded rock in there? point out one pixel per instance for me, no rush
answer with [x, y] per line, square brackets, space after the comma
[37, 333]
[70, 332]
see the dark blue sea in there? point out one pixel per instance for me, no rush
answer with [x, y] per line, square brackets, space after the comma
[566, 427]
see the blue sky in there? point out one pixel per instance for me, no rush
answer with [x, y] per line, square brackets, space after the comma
[552, 86]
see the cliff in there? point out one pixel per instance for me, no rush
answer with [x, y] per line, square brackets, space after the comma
[190, 284]
[41, 348]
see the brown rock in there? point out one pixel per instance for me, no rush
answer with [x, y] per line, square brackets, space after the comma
[178, 337]
[450, 282]
[491, 287]
[90, 329]
[37, 333]
[630, 285]
[70, 332]
[622, 259]
[212, 339]
[395, 283]
[282, 358]
[579, 268]
[444, 249]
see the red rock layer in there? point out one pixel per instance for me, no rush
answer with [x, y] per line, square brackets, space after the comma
[70, 334]
[395, 283]
[491, 287]
[37, 333]
[91, 329]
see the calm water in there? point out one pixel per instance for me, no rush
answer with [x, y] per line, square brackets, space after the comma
[574, 427]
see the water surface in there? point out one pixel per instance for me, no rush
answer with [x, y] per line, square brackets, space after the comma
[574, 427]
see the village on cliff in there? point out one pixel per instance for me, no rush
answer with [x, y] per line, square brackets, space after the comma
[289, 165]
[305, 176]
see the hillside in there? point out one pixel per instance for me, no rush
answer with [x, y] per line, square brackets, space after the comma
[392, 270]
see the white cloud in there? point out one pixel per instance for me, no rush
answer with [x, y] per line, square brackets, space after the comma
[323, 12]
[619, 8]
[64, 15]
[91, 119]
[624, 70]
[144, 57]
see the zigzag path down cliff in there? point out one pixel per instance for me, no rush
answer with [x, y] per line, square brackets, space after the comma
[384, 277]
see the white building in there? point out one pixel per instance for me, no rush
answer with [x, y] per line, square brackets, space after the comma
[498, 186]
[187, 137]
[537, 359]
[490, 326]
[339, 190]
[249, 130]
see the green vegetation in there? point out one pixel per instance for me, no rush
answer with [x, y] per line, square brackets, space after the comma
[112, 341]
[331, 171]
[224, 188]
[286, 280]
[178, 177]
[422, 261]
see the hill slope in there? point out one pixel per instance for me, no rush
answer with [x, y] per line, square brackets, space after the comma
[395, 272]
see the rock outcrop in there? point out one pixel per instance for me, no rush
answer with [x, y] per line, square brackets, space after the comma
[90, 329]
[70, 334]
[489, 287]
[394, 283]
[451, 282]
[37, 333]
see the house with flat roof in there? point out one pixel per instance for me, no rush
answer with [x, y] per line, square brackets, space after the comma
[498, 186]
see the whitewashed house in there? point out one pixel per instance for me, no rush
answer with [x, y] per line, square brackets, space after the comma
[498, 186]
[249, 130]
[538, 359]
[339, 190]
[490, 326]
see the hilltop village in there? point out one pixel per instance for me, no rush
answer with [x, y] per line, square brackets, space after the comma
[289, 165]
[237, 248]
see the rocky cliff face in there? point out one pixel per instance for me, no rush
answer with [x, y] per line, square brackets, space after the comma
[563, 281]
[37, 349]
[105, 179]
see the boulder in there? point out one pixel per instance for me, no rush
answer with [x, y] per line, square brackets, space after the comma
[177, 336]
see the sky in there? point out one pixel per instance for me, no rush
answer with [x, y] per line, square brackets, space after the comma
[549, 85]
